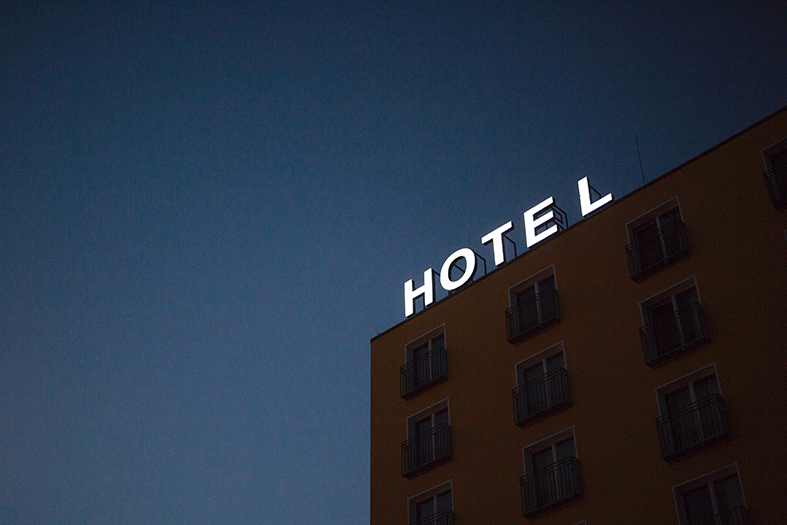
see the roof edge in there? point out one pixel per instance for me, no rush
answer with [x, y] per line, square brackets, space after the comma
[584, 219]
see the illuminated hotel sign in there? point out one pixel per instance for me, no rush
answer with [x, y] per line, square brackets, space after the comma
[541, 221]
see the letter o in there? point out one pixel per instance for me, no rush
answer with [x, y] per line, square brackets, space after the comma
[445, 272]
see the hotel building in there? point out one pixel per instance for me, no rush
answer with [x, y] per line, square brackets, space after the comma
[631, 368]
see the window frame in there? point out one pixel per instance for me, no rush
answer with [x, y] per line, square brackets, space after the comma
[705, 480]
[428, 337]
[689, 380]
[532, 281]
[539, 357]
[646, 306]
[412, 421]
[658, 298]
[435, 363]
[527, 458]
[552, 448]
[411, 432]
[655, 215]
[434, 492]
[520, 377]
[686, 380]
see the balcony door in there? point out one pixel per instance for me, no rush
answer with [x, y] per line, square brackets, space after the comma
[421, 368]
[674, 322]
[424, 361]
[657, 239]
[431, 511]
[552, 483]
[536, 304]
[423, 510]
[429, 443]
[688, 323]
[543, 390]
[717, 503]
[670, 238]
[691, 424]
[779, 160]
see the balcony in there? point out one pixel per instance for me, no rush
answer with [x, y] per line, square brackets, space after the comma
[444, 517]
[776, 180]
[652, 252]
[693, 427]
[423, 373]
[667, 339]
[426, 450]
[541, 397]
[527, 319]
[736, 516]
[550, 488]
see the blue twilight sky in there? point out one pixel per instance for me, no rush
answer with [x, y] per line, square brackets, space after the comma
[207, 209]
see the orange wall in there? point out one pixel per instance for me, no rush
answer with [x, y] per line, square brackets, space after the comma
[739, 258]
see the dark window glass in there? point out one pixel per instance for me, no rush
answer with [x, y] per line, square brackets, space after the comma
[444, 501]
[698, 505]
[424, 509]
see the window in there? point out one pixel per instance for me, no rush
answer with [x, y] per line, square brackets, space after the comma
[715, 499]
[551, 477]
[657, 240]
[674, 324]
[543, 386]
[429, 440]
[534, 306]
[426, 360]
[693, 414]
[433, 507]
[775, 159]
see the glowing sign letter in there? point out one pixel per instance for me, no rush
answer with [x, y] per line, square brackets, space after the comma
[496, 238]
[410, 295]
[584, 198]
[445, 273]
[532, 223]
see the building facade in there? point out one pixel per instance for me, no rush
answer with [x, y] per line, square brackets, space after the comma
[630, 369]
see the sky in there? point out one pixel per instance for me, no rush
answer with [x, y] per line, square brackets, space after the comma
[208, 209]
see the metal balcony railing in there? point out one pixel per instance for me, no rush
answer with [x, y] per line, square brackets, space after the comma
[651, 253]
[736, 516]
[776, 180]
[693, 427]
[550, 488]
[667, 339]
[443, 517]
[426, 450]
[422, 373]
[525, 320]
[539, 398]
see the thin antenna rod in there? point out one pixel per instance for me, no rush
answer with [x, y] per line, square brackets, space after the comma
[640, 160]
